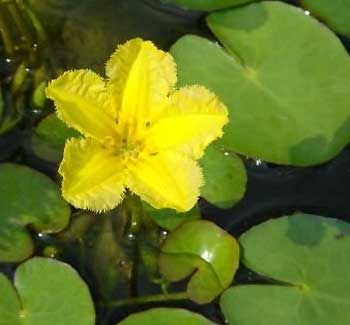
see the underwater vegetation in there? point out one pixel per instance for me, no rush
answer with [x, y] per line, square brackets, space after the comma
[174, 162]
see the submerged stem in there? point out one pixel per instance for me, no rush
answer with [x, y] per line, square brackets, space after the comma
[149, 299]
[6, 35]
[38, 26]
[19, 21]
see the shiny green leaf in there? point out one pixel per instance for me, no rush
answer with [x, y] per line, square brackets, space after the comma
[204, 250]
[289, 101]
[165, 316]
[45, 292]
[28, 198]
[225, 177]
[335, 13]
[309, 255]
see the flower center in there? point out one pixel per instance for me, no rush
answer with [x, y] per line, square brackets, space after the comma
[128, 149]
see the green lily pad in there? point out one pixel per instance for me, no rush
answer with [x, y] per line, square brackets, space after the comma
[335, 13]
[45, 292]
[288, 100]
[169, 219]
[50, 136]
[310, 256]
[204, 250]
[225, 177]
[165, 316]
[207, 5]
[28, 198]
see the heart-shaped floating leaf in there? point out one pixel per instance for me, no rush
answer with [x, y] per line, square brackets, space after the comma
[225, 177]
[310, 254]
[335, 13]
[207, 4]
[166, 316]
[28, 198]
[202, 248]
[50, 136]
[170, 219]
[45, 292]
[283, 76]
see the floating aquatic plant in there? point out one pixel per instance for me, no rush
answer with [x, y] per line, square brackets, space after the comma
[139, 132]
[135, 132]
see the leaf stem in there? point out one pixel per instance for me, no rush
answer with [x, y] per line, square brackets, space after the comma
[149, 299]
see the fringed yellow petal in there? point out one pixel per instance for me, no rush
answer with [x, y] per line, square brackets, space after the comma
[81, 101]
[140, 133]
[93, 178]
[140, 79]
[166, 180]
[194, 119]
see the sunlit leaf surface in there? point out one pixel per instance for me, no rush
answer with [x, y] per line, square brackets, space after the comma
[310, 255]
[289, 102]
[203, 249]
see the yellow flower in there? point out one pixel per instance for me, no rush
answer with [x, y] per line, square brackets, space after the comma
[139, 132]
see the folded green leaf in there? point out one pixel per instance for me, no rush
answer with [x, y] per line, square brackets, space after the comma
[203, 249]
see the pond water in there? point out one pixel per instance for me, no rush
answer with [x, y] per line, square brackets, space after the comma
[82, 34]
